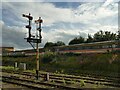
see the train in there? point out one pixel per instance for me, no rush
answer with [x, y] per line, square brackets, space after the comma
[95, 47]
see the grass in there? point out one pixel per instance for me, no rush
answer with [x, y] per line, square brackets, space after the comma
[75, 83]
[11, 68]
[101, 64]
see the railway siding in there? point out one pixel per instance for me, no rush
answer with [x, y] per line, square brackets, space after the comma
[35, 83]
[56, 81]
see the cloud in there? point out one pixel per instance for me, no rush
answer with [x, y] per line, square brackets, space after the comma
[47, 11]
[51, 14]
[1, 23]
[58, 23]
[107, 2]
[59, 0]
[11, 36]
[62, 35]
[93, 11]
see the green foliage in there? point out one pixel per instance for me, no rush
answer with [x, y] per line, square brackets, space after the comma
[59, 43]
[48, 57]
[77, 40]
[82, 83]
[62, 71]
[118, 36]
[72, 81]
[63, 81]
[104, 36]
[72, 54]
[10, 61]
[102, 64]
[97, 83]
[97, 37]
[53, 81]
[9, 69]
[89, 39]
[50, 44]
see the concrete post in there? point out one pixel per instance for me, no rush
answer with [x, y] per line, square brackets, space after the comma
[16, 65]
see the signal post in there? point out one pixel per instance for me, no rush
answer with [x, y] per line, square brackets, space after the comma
[34, 39]
[39, 21]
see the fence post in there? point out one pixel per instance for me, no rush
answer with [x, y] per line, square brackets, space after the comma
[24, 65]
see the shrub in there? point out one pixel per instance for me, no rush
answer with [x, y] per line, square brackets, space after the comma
[48, 57]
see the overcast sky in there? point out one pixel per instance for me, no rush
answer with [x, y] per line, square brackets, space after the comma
[62, 21]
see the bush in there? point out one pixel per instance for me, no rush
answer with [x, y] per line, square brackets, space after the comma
[48, 57]
[72, 54]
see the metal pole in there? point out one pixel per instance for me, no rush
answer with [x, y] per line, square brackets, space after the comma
[37, 61]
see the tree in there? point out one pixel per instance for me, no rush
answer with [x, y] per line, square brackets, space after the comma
[118, 36]
[104, 36]
[109, 36]
[98, 36]
[59, 43]
[89, 39]
[49, 44]
[77, 40]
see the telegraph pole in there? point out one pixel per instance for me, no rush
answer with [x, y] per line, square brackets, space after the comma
[36, 39]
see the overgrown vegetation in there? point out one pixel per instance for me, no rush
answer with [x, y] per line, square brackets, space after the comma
[70, 63]
[10, 61]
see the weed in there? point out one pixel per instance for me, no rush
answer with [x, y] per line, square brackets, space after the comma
[82, 83]
[72, 81]
[62, 71]
[53, 81]
[63, 81]
[97, 83]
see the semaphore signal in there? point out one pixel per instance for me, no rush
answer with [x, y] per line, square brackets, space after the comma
[36, 39]
[28, 26]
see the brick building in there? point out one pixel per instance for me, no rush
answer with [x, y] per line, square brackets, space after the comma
[6, 49]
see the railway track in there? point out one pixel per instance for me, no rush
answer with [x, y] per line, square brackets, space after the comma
[68, 78]
[35, 84]
[60, 79]
[81, 76]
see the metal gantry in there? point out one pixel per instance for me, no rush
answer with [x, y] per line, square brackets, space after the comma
[34, 39]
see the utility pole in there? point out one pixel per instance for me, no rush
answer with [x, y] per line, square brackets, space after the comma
[31, 39]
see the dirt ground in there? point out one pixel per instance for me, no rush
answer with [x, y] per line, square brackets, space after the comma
[8, 86]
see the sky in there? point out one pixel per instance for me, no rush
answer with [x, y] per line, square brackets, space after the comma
[62, 20]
